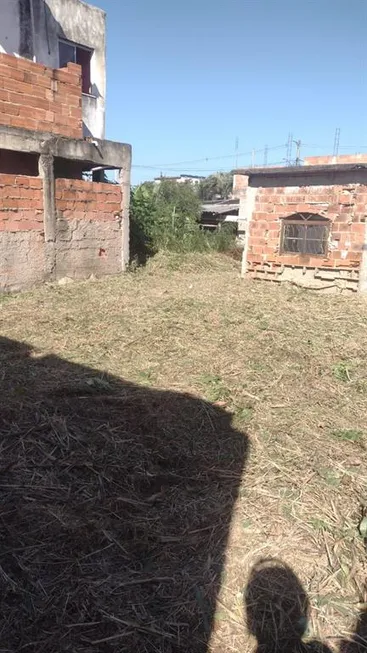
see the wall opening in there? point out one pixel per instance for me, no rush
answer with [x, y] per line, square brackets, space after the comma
[68, 169]
[72, 53]
[18, 163]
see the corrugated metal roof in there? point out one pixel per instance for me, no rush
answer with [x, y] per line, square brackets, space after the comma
[223, 206]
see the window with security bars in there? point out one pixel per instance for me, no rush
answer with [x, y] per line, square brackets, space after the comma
[305, 233]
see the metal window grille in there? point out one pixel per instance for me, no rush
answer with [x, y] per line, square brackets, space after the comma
[305, 234]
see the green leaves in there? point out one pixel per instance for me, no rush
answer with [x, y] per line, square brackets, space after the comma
[217, 185]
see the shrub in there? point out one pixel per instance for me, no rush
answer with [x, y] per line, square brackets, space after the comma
[166, 217]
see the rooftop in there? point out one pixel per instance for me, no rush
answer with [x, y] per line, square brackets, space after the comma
[299, 170]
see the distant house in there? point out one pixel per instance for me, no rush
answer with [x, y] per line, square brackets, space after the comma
[218, 212]
[180, 179]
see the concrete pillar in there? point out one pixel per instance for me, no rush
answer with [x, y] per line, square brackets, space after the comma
[125, 181]
[362, 284]
[247, 205]
[46, 171]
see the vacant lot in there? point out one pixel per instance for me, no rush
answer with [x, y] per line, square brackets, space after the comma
[161, 433]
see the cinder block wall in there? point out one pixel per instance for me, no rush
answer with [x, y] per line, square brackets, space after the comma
[89, 238]
[35, 97]
[88, 234]
[22, 255]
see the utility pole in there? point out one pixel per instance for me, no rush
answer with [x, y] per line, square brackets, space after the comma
[336, 142]
[236, 150]
[266, 155]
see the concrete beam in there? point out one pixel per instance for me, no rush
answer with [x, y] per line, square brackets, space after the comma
[93, 152]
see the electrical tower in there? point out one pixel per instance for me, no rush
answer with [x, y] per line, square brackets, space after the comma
[336, 142]
[289, 146]
[297, 161]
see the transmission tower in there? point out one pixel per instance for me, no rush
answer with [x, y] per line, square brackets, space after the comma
[288, 156]
[336, 142]
[298, 153]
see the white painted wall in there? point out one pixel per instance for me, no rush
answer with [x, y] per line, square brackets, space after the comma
[9, 26]
[74, 21]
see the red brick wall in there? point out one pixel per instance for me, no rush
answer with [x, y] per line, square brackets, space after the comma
[21, 203]
[341, 158]
[345, 206]
[35, 97]
[84, 200]
[240, 184]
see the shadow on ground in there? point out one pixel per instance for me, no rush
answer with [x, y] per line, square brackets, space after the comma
[277, 610]
[115, 507]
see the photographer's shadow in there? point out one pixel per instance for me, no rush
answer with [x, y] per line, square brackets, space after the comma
[116, 502]
[277, 610]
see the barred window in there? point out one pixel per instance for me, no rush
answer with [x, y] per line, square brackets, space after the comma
[305, 233]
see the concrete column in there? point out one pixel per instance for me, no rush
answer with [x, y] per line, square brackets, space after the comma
[247, 205]
[362, 284]
[46, 171]
[125, 182]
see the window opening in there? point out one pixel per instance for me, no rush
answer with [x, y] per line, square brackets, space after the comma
[305, 233]
[73, 53]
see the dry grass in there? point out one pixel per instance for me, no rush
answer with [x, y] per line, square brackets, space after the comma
[134, 512]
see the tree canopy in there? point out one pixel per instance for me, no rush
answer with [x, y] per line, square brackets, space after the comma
[217, 186]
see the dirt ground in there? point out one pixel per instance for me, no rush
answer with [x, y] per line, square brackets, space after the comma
[183, 464]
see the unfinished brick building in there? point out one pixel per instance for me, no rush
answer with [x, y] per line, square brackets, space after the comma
[306, 224]
[57, 216]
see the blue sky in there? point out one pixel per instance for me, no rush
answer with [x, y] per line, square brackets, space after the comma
[187, 77]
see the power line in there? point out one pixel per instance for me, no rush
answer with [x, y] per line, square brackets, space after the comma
[205, 159]
[251, 154]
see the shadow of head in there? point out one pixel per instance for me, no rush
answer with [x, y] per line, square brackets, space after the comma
[277, 609]
[116, 505]
[276, 606]
[357, 643]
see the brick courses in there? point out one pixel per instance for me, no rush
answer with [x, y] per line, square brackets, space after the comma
[83, 200]
[345, 206]
[35, 97]
[21, 203]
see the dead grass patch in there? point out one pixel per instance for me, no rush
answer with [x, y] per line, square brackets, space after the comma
[131, 510]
